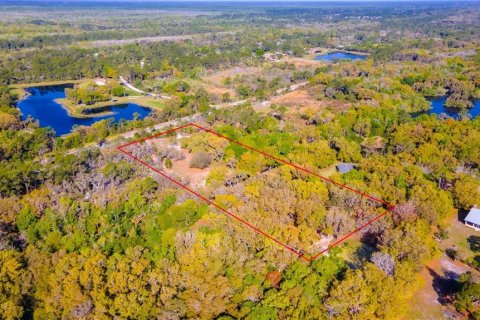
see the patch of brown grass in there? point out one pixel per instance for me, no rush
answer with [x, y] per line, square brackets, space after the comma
[217, 78]
[196, 177]
[302, 62]
[299, 99]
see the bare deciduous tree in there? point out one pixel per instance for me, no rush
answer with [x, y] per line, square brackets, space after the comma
[384, 262]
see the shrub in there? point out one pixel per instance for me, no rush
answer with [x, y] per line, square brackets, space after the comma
[200, 160]
[442, 234]
[168, 163]
[452, 253]
[172, 154]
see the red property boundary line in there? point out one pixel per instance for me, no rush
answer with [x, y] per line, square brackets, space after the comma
[289, 248]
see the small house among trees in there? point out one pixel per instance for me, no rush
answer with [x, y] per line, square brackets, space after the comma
[345, 167]
[472, 219]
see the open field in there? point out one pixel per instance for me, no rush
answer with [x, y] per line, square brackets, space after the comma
[307, 101]
[298, 100]
[459, 236]
[303, 62]
[217, 78]
[438, 282]
[144, 40]
[439, 276]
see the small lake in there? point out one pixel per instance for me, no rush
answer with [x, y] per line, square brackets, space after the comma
[438, 107]
[338, 55]
[40, 104]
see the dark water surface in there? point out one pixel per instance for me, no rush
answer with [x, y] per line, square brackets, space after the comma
[41, 105]
[438, 107]
[335, 56]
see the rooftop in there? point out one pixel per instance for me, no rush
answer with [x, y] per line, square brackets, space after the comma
[345, 167]
[473, 216]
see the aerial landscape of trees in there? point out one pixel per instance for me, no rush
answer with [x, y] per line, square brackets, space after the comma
[86, 232]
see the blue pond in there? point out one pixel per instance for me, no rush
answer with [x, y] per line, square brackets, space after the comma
[438, 107]
[335, 56]
[41, 105]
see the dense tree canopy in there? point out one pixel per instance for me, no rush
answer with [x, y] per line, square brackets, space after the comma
[86, 232]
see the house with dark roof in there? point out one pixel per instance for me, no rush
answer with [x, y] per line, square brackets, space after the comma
[472, 219]
[345, 167]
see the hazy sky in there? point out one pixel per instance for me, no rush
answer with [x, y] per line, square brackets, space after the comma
[262, 0]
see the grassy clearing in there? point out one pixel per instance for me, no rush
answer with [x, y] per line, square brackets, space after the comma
[355, 252]
[20, 92]
[328, 171]
[48, 83]
[427, 296]
[426, 307]
[152, 103]
[458, 236]
[79, 111]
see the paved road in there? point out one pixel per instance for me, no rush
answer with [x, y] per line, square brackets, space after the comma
[131, 134]
[159, 126]
[130, 86]
[175, 122]
[293, 87]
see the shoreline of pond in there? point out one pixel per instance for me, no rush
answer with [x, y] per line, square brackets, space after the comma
[80, 111]
[42, 103]
[438, 108]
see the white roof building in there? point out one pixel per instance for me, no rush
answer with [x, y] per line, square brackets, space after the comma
[473, 218]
